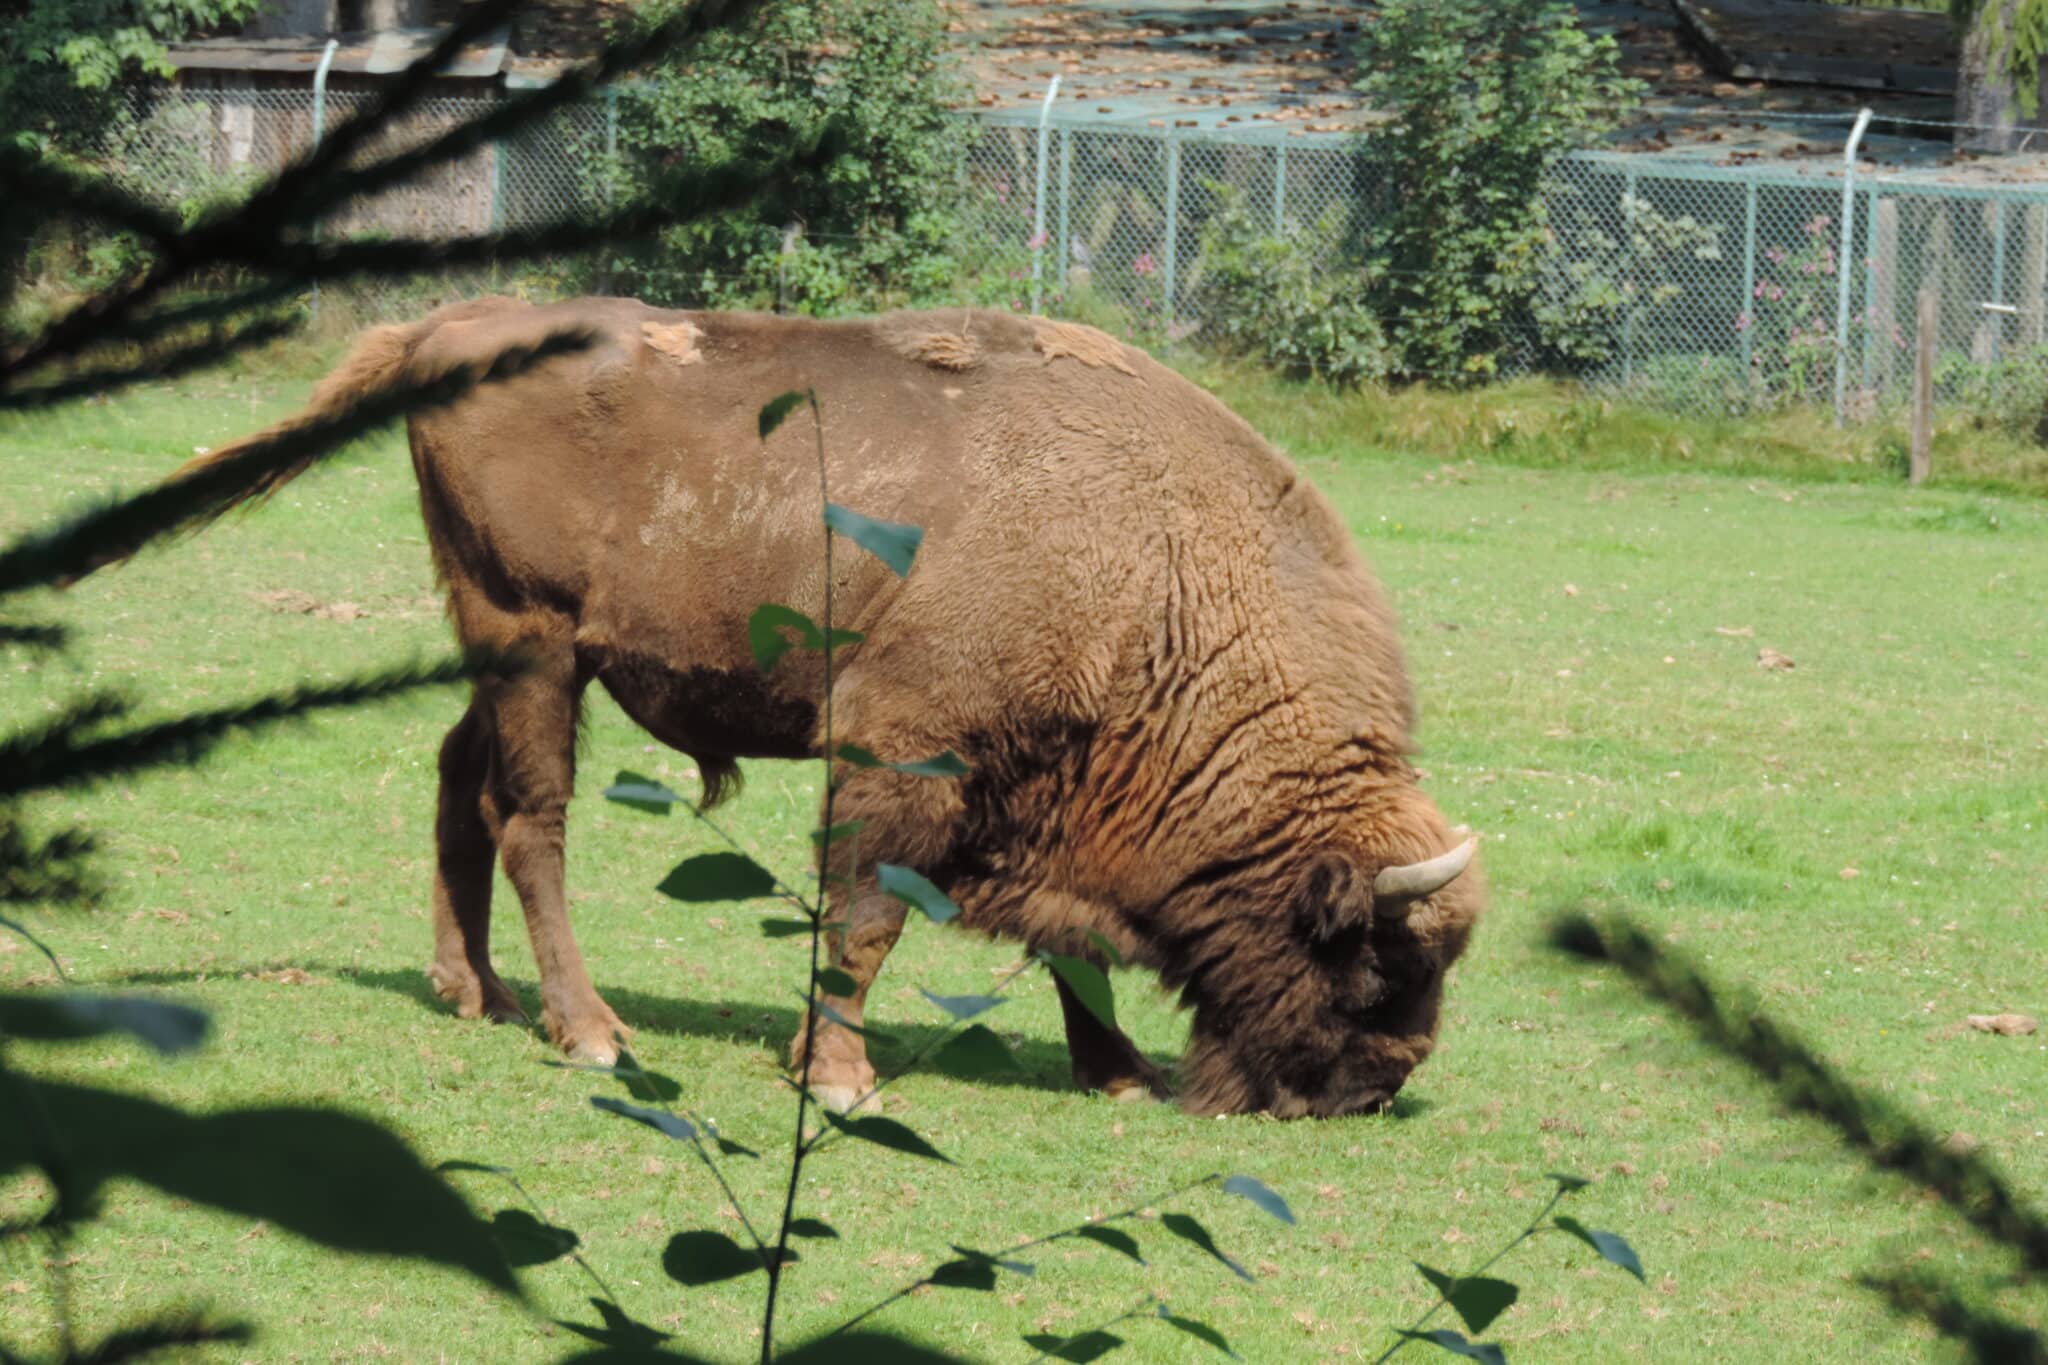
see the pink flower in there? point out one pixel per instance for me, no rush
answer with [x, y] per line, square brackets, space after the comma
[1036, 241]
[1776, 255]
[1002, 191]
[1145, 265]
[1742, 321]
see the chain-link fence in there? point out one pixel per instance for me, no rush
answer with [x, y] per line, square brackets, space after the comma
[1704, 287]
[182, 146]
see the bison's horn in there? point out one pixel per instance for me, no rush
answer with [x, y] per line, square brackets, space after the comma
[1413, 881]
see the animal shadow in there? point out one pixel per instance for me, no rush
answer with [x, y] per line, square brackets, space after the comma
[1041, 1064]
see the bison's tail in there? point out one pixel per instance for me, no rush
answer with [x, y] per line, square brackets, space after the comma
[374, 367]
[259, 464]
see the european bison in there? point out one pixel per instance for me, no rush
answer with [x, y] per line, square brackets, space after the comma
[1178, 686]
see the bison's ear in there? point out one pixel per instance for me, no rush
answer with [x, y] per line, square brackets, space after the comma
[1335, 895]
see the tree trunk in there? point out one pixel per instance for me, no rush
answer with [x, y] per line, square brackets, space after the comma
[1986, 96]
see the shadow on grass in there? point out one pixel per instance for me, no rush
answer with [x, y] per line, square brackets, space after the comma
[1868, 1124]
[1043, 1065]
[1407, 1106]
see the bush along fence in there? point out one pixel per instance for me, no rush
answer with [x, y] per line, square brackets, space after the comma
[1708, 288]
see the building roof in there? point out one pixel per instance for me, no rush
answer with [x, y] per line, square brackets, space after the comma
[360, 54]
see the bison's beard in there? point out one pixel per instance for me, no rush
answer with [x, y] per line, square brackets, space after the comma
[1347, 1072]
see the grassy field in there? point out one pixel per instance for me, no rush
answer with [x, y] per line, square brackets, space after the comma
[1862, 839]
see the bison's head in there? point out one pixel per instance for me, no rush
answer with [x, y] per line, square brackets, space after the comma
[1333, 1001]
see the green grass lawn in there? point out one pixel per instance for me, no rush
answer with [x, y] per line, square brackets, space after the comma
[1862, 839]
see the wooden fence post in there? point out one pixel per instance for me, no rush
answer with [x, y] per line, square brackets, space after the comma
[1929, 320]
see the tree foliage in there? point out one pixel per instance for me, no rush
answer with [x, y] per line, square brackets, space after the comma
[1287, 302]
[2003, 68]
[52, 49]
[340, 1180]
[870, 224]
[1483, 96]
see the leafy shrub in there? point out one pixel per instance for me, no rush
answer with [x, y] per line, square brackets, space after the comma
[872, 225]
[1288, 302]
[1594, 280]
[1791, 318]
[1478, 1299]
[60, 62]
[52, 262]
[1485, 95]
[2009, 394]
[341, 1181]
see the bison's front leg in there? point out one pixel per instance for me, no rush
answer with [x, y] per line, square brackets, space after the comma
[860, 940]
[1104, 1059]
[902, 819]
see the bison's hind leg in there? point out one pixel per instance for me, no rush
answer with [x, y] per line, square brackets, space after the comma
[463, 853]
[532, 775]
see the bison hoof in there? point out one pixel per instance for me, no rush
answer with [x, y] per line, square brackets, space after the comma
[594, 1053]
[458, 986]
[475, 997]
[1134, 1080]
[845, 1084]
[597, 1042]
[844, 1099]
[1131, 1092]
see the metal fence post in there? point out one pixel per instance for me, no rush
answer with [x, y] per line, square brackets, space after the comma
[497, 188]
[1628, 307]
[2035, 290]
[1749, 308]
[1280, 190]
[1914, 235]
[1842, 265]
[1172, 226]
[1997, 274]
[1870, 216]
[1066, 252]
[320, 131]
[611, 143]
[1038, 211]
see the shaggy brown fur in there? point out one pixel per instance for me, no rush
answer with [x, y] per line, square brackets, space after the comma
[1178, 685]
